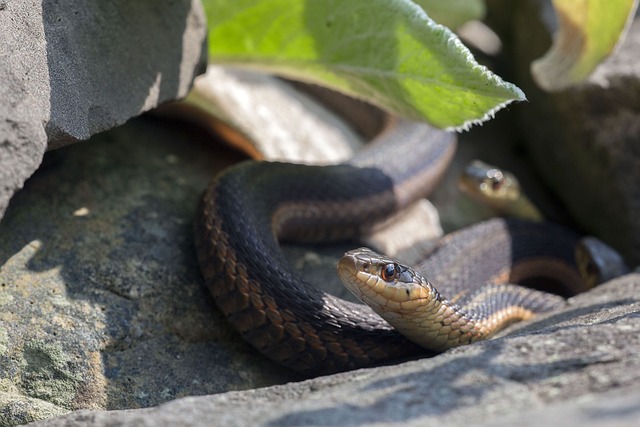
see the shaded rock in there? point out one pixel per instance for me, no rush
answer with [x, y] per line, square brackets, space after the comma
[581, 358]
[585, 140]
[72, 69]
[101, 300]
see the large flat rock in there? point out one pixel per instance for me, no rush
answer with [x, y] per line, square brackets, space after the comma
[72, 69]
[575, 367]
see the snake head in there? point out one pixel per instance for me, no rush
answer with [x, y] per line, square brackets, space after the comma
[383, 283]
[489, 185]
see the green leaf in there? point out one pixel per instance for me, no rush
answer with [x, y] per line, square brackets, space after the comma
[588, 31]
[453, 13]
[385, 51]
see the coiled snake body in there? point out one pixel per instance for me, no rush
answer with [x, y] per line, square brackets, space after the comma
[248, 209]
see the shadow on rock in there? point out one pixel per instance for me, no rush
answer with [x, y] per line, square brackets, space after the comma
[99, 274]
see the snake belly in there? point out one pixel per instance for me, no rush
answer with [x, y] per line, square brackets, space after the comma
[248, 209]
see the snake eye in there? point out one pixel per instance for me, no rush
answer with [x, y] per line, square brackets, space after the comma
[389, 272]
[496, 179]
[496, 183]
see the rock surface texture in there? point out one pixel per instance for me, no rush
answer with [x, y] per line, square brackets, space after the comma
[576, 367]
[585, 140]
[72, 69]
[101, 300]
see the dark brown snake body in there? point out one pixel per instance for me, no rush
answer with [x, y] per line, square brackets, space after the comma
[250, 208]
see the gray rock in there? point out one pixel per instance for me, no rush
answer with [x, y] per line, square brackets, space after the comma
[585, 140]
[575, 367]
[24, 94]
[72, 69]
[101, 300]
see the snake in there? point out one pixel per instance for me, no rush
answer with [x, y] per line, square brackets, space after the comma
[249, 209]
[478, 278]
[497, 188]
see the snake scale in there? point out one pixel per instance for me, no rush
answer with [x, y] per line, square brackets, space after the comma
[250, 208]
